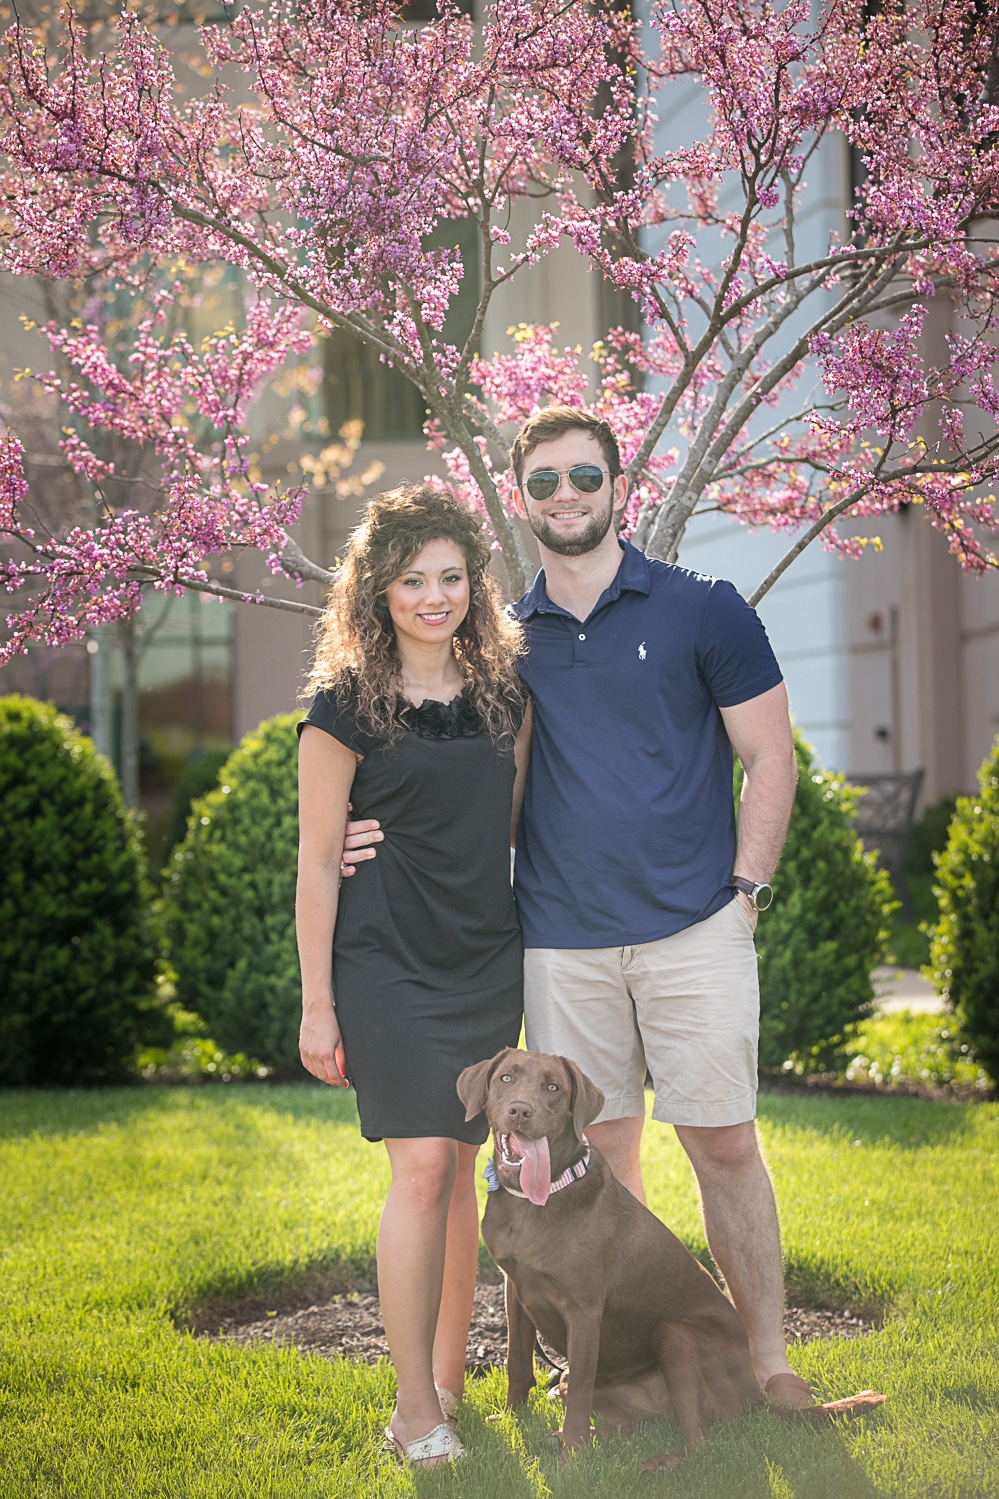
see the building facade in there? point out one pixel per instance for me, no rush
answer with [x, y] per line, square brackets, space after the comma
[891, 662]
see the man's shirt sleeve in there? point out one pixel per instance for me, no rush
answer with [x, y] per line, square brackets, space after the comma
[735, 657]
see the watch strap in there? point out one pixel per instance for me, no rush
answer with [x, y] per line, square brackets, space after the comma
[750, 888]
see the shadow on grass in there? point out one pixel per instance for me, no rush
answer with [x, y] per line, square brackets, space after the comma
[279, 1289]
[51, 1112]
[758, 1456]
[274, 1289]
[910, 1122]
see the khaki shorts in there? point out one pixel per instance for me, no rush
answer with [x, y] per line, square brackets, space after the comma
[685, 1008]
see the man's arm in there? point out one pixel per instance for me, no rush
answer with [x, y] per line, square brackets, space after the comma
[760, 733]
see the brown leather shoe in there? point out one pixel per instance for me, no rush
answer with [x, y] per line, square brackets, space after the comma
[789, 1395]
[789, 1392]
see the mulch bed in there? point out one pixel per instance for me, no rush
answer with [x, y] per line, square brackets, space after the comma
[350, 1326]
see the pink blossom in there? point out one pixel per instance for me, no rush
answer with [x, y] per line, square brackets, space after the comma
[327, 161]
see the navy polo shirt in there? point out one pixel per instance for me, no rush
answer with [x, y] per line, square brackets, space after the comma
[628, 828]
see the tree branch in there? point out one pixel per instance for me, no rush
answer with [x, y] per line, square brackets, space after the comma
[816, 529]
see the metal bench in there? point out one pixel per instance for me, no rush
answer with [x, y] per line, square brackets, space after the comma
[884, 818]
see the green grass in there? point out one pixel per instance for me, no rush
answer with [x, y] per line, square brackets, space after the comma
[124, 1212]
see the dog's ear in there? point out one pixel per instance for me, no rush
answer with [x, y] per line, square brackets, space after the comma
[587, 1099]
[473, 1085]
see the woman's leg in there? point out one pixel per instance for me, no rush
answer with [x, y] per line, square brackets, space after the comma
[460, 1265]
[412, 1238]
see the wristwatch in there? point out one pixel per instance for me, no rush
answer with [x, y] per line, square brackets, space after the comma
[760, 894]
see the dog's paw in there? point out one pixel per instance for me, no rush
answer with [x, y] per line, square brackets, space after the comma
[663, 1463]
[558, 1439]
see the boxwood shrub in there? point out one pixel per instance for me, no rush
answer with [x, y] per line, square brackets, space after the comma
[198, 776]
[826, 929]
[229, 900]
[964, 945]
[77, 952]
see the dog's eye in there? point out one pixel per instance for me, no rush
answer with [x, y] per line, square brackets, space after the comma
[553, 1087]
[506, 1078]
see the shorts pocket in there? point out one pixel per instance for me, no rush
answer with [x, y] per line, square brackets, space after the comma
[745, 918]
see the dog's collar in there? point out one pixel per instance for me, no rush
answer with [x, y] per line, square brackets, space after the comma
[571, 1174]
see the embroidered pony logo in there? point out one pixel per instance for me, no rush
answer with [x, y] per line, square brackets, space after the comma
[642, 652]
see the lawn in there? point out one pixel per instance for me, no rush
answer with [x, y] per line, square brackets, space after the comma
[128, 1210]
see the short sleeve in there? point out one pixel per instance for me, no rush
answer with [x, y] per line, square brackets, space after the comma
[735, 657]
[336, 717]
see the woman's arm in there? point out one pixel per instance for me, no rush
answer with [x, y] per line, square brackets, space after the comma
[325, 775]
[522, 755]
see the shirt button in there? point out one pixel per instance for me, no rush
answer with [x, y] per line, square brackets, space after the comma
[582, 636]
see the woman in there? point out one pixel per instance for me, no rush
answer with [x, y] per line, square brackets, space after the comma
[412, 970]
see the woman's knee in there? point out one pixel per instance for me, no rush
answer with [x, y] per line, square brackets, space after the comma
[468, 1161]
[423, 1172]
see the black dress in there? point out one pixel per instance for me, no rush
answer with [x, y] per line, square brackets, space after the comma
[427, 951]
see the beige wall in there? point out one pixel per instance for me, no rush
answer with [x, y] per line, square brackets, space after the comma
[923, 638]
[923, 646]
[561, 289]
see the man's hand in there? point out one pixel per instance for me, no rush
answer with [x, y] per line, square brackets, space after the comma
[357, 844]
[747, 905]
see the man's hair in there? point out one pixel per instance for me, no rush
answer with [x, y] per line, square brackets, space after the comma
[556, 421]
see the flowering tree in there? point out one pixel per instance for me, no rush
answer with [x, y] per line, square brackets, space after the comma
[334, 143]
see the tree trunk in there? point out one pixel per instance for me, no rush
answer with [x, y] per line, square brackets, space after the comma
[101, 705]
[130, 714]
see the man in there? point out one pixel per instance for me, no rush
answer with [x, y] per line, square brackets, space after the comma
[637, 895]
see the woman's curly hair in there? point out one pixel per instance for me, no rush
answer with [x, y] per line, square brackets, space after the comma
[356, 651]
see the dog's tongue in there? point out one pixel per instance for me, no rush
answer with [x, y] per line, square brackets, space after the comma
[536, 1171]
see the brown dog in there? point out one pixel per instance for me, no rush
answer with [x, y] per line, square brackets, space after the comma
[645, 1327]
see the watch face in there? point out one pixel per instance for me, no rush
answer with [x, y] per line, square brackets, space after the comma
[763, 897]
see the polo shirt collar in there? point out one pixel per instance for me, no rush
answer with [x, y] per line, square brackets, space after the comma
[632, 576]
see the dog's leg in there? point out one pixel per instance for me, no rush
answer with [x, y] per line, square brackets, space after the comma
[520, 1338]
[675, 1346]
[583, 1350]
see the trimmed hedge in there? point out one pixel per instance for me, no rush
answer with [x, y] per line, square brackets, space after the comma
[198, 776]
[826, 929]
[77, 953]
[229, 900]
[964, 945]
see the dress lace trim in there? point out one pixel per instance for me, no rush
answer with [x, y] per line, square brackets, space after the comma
[457, 719]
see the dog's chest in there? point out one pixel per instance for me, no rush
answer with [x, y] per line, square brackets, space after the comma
[556, 1246]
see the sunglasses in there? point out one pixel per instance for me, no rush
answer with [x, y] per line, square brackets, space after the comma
[585, 478]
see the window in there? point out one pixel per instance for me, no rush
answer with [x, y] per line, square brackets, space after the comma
[358, 383]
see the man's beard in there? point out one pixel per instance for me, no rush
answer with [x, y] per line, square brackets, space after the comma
[573, 546]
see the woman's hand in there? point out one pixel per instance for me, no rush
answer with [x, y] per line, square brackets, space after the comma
[320, 1046]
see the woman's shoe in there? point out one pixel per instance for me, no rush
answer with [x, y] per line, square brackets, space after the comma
[449, 1403]
[438, 1446]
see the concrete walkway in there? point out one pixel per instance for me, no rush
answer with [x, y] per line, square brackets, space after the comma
[904, 989]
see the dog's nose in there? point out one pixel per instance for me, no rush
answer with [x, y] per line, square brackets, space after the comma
[519, 1114]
